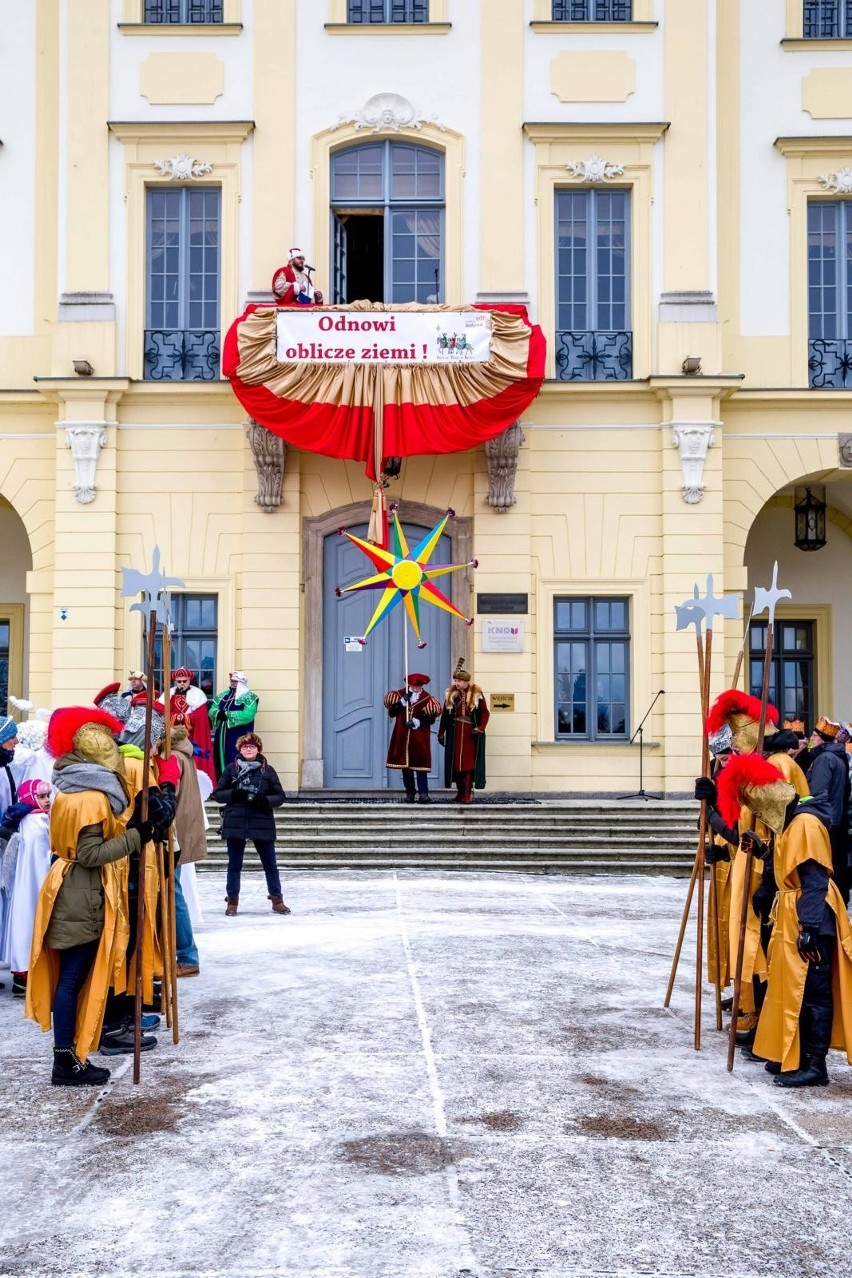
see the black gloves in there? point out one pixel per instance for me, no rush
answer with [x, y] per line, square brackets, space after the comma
[145, 828]
[807, 943]
[763, 898]
[714, 853]
[161, 812]
[751, 842]
[705, 789]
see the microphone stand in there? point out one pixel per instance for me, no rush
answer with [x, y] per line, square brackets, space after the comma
[641, 792]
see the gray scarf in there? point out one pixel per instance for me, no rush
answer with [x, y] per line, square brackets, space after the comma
[248, 765]
[74, 778]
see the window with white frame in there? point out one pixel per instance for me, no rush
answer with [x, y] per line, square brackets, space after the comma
[387, 207]
[592, 11]
[830, 293]
[591, 668]
[594, 341]
[388, 11]
[183, 11]
[195, 637]
[182, 341]
[827, 19]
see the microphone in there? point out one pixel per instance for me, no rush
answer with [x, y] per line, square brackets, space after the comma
[308, 268]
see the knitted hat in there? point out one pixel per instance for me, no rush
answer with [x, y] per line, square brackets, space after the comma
[785, 740]
[741, 713]
[754, 781]
[250, 738]
[460, 672]
[8, 729]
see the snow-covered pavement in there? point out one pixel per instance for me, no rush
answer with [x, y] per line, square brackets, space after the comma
[424, 1075]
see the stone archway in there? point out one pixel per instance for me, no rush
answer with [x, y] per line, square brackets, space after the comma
[16, 562]
[314, 531]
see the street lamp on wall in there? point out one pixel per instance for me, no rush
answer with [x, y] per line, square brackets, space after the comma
[809, 512]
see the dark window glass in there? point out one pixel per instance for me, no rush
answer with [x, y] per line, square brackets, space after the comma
[194, 640]
[593, 337]
[826, 19]
[591, 10]
[189, 11]
[388, 11]
[792, 671]
[182, 320]
[592, 668]
[5, 657]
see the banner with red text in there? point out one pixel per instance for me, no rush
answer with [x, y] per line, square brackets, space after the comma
[388, 337]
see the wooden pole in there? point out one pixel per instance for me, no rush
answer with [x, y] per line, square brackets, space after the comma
[170, 975]
[165, 933]
[702, 835]
[143, 813]
[741, 655]
[714, 906]
[749, 855]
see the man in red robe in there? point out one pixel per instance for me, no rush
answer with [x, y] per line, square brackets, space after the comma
[413, 711]
[188, 706]
[292, 284]
[461, 732]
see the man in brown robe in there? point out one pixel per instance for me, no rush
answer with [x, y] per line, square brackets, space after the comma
[461, 732]
[413, 711]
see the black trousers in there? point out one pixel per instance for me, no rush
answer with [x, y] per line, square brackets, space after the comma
[818, 1003]
[409, 776]
[839, 839]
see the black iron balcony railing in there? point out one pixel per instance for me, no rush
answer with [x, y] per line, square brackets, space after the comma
[181, 354]
[594, 357]
[830, 363]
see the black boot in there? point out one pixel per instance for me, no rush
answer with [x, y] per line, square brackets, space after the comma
[19, 985]
[70, 1071]
[811, 1073]
[773, 1067]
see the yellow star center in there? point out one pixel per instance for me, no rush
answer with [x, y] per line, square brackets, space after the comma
[406, 574]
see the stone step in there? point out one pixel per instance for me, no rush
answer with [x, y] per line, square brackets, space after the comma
[519, 863]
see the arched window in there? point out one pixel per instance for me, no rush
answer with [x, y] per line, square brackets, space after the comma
[387, 223]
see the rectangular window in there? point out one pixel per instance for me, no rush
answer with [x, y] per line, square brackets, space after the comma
[594, 340]
[195, 635]
[827, 19]
[791, 675]
[388, 11]
[186, 11]
[591, 10]
[182, 324]
[830, 293]
[5, 658]
[592, 664]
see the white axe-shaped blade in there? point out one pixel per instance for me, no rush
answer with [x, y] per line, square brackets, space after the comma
[768, 599]
[149, 585]
[689, 613]
[709, 607]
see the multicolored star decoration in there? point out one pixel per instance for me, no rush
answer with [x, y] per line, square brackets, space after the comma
[404, 575]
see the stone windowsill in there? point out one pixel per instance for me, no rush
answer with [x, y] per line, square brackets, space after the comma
[595, 745]
[594, 28]
[389, 28]
[180, 28]
[798, 44]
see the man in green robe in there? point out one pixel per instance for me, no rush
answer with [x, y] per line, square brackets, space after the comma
[232, 714]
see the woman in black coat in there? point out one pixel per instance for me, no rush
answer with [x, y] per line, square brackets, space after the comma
[249, 789]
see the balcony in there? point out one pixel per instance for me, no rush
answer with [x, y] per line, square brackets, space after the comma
[182, 355]
[594, 357]
[830, 363]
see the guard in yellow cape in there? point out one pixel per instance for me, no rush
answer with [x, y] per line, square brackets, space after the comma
[808, 1005]
[718, 855]
[81, 926]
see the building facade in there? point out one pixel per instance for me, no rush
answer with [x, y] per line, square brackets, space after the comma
[667, 186]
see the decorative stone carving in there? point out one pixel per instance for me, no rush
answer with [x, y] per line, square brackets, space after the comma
[181, 168]
[270, 455]
[85, 442]
[388, 113]
[844, 448]
[502, 454]
[693, 441]
[841, 181]
[594, 169]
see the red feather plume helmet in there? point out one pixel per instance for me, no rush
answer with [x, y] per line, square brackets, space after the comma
[743, 772]
[741, 713]
[66, 723]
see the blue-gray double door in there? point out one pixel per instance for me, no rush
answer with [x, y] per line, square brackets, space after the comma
[356, 726]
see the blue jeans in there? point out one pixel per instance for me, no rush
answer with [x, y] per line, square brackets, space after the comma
[187, 950]
[75, 964]
[266, 852]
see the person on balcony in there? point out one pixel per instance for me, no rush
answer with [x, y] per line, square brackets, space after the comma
[292, 285]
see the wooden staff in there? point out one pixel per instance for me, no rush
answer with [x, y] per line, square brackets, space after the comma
[749, 855]
[741, 654]
[693, 879]
[702, 834]
[143, 815]
[165, 933]
[170, 975]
